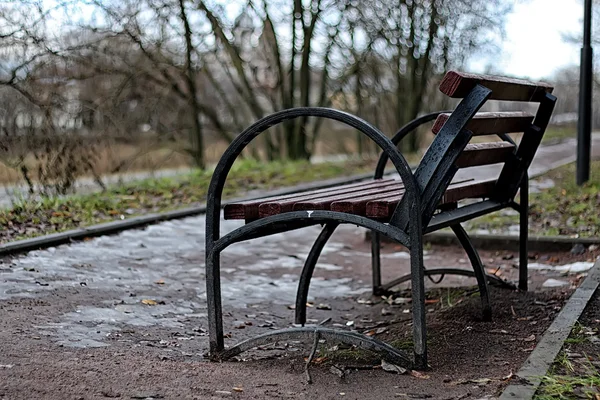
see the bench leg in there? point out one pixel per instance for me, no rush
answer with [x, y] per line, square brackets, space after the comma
[418, 292]
[376, 262]
[309, 268]
[523, 232]
[473, 255]
[215, 311]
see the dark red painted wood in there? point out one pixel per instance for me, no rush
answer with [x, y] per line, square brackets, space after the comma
[459, 84]
[485, 153]
[491, 123]
[383, 208]
[249, 209]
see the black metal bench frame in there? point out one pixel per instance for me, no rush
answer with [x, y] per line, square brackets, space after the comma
[413, 216]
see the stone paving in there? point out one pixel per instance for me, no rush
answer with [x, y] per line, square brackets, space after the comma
[155, 277]
[149, 284]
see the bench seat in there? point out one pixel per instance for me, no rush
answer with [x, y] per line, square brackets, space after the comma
[374, 199]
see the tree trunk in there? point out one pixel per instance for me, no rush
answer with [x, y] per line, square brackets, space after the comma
[196, 138]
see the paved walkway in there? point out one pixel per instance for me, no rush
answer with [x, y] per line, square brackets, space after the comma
[127, 313]
[261, 270]
[142, 293]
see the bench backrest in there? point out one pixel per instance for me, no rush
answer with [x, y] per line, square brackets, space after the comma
[450, 150]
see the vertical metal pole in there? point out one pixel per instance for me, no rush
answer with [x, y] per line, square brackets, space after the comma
[584, 124]
[376, 262]
[417, 271]
[523, 233]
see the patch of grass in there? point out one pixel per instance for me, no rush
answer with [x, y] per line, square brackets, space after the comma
[565, 209]
[565, 386]
[562, 361]
[29, 218]
[555, 133]
[573, 375]
[577, 335]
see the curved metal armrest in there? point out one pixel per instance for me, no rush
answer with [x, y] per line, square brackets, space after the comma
[215, 189]
[402, 133]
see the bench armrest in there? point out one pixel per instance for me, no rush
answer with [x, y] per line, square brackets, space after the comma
[215, 189]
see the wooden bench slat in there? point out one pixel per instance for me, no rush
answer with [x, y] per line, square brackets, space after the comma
[271, 207]
[491, 123]
[358, 205]
[383, 208]
[249, 209]
[459, 84]
[485, 154]
[325, 203]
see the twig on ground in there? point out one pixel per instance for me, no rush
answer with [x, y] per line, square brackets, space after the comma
[311, 356]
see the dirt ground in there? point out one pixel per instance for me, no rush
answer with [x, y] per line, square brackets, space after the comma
[128, 320]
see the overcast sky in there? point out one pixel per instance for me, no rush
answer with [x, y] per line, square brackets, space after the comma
[534, 46]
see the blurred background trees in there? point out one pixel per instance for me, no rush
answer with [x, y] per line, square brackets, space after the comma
[100, 86]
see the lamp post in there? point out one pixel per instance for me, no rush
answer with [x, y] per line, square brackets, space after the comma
[584, 124]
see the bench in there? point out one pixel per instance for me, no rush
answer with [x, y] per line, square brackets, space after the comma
[402, 208]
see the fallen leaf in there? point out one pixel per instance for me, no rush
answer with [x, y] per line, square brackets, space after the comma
[393, 368]
[364, 301]
[160, 282]
[238, 389]
[432, 301]
[525, 318]
[337, 371]
[477, 381]
[149, 302]
[480, 381]
[529, 338]
[239, 325]
[323, 307]
[385, 311]
[419, 375]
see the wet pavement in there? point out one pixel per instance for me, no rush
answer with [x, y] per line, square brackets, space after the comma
[155, 277]
[117, 315]
[141, 294]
